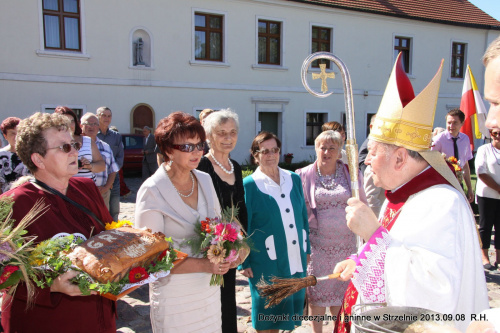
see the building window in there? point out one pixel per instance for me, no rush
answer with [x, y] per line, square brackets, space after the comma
[321, 42]
[208, 37]
[79, 112]
[313, 126]
[269, 42]
[403, 45]
[458, 60]
[61, 24]
[369, 117]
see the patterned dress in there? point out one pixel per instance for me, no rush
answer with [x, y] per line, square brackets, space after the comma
[332, 241]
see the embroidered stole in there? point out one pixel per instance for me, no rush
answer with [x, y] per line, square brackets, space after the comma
[396, 200]
[351, 294]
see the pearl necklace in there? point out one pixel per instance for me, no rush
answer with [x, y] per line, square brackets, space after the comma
[332, 182]
[220, 164]
[495, 153]
[192, 186]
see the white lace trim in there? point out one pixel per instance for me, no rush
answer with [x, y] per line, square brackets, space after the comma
[369, 275]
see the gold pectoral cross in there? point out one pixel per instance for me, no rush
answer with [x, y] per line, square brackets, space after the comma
[323, 76]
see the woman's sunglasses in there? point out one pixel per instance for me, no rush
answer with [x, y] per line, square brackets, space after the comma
[67, 147]
[189, 147]
[495, 134]
[266, 151]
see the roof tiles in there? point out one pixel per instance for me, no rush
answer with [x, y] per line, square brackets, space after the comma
[454, 12]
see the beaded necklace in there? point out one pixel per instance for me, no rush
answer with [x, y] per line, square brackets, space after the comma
[220, 164]
[192, 186]
[332, 182]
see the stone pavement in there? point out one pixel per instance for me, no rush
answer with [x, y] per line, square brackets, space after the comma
[133, 309]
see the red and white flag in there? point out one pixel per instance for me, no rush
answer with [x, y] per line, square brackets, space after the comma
[475, 112]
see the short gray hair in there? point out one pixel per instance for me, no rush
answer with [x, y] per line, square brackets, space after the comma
[412, 153]
[101, 110]
[329, 135]
[147, 128]
[218, 118]
[87, 116]
[492, 52]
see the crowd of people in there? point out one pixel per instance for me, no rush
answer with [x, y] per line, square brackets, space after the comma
[421, 248]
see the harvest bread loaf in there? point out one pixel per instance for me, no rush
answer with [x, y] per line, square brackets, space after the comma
[110, 255]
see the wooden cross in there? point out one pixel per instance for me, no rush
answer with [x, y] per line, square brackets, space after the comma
[323, 76]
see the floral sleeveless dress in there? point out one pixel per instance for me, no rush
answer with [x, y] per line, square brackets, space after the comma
[332, 241]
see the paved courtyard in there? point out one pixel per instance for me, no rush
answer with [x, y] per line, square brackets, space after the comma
[133, 309]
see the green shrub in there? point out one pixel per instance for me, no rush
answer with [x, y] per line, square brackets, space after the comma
[247, 170]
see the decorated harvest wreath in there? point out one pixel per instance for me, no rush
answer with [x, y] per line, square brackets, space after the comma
[110, 263]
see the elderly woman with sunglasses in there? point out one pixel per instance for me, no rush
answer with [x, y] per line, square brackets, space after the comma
[46, 147]
[327, 186]
[222, 129]
[172, 201]
[279, 231]
[488, 195]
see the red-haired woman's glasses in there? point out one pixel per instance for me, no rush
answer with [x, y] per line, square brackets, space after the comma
[494, 133]
[67, 147]
[189, 147]
[266, 151]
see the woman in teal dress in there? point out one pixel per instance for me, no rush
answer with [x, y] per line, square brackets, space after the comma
[279, 232]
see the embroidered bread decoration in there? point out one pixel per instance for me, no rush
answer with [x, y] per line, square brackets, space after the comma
[110, 255]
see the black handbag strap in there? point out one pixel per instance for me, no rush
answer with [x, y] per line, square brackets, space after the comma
[62, 196]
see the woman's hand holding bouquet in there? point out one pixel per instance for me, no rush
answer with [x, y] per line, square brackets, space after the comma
[221, 240]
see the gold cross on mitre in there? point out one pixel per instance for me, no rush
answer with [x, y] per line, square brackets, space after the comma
[323, 76]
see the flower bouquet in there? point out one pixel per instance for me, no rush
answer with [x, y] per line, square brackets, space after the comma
[220, 240]
[15, 246]
[54, 257]
[459, 173]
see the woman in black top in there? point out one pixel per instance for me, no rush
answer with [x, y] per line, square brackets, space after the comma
[222, 129]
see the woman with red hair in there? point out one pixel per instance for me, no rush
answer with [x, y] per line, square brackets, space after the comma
[172, 201]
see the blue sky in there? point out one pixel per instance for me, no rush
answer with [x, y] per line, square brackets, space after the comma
[492, 7]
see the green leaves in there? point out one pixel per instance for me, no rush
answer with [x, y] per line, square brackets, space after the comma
[51, 261]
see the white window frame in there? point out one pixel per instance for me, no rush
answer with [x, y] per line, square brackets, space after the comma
[44, 107]
[367, 123]
[412, 48]
[194, 61]
[322, 25]
[276, 105]
[455, 79]
[197, 110]
[306, 112]
[77, 55]
[282, 65]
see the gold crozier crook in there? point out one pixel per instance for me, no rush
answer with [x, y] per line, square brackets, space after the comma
[351, 146]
